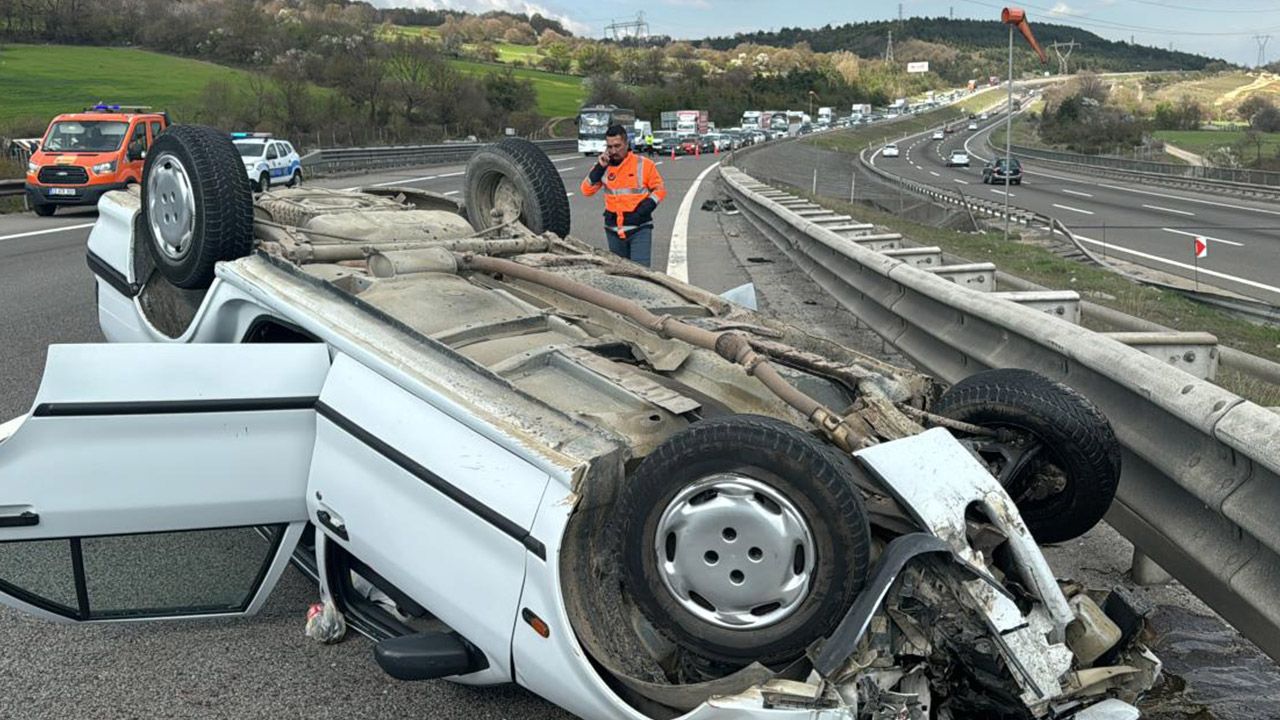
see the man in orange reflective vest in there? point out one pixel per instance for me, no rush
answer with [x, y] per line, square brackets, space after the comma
[632, 190]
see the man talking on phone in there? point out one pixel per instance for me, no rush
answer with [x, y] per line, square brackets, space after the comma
[632, 190]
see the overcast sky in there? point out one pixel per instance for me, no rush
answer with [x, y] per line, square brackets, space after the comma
[1220, 28]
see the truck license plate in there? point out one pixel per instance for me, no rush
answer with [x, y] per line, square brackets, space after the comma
[62, 191]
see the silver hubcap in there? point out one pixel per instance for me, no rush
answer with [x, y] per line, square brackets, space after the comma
[735, 552]
[171, 206]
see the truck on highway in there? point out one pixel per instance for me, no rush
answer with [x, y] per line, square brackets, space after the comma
[667, 120]
[691, 122]
[826, 115]
[861, 110]
[86, 154]
[778, 120]
[751, 120]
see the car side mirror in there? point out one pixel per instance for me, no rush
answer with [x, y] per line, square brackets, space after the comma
[136, 150]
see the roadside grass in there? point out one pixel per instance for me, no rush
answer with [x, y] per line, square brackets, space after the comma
[1035, 263]
[1209, 91]
[558, 95]
[1203, 141]
[40, 81]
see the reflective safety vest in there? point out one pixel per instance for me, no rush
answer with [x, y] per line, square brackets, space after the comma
[627, 186]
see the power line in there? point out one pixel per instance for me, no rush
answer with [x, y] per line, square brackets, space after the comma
[1262, 48]
[1082, 20]
[1064, 68]
[638, 28]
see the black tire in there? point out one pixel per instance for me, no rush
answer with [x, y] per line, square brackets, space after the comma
[1075, 438]
[263, 184]
[222, 224]
[44, 209]
[296, 179]
[544, 203]
[813, 476]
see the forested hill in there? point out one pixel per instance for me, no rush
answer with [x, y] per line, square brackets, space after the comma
[970, 38]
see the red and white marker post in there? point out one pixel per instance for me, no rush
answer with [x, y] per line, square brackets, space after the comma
[1199, 248]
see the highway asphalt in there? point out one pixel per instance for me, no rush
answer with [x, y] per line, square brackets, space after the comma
[1146, 225]
[261, 667]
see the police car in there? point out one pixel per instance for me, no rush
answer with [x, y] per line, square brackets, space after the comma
[268, 161]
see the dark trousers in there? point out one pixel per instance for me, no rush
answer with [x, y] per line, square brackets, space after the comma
[636, 247]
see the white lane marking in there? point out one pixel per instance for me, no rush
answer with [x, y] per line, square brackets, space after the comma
[50, 231]
[658, 162]
[396, 182]
[568, 194]
[1165, 195]
[678, 252]
[565, 159]
[452, 192]
[1001, 192]
[1206, 237]
[1203, 271]
[1168, 210]
[567, 169]
[934, 174]
[1073, 209]
[1076, 193]
[451, 174]
[962, 182]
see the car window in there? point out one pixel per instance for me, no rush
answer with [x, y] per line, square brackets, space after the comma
[139, 134]
[156, 129]
[286, 148]
[271, 152]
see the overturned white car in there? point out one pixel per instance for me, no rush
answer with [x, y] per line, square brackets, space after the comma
[547, 466]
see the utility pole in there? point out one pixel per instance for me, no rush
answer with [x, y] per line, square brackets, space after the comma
[951, 13]
[1064, 68]
[888, 53]
[1262, 41]
[899, 13]
[638, 28]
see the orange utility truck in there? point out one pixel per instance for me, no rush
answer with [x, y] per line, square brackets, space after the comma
[83, 155]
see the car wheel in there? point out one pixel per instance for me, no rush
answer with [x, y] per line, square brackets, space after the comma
[1062, 465]
[44, 209]
[516, 178]
[263, 184]
[743, 539]
[296, 179]
[1018, 181]
[197, 208]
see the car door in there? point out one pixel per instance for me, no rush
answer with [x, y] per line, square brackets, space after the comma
[438, 509]
[273, 162]
[157, 481]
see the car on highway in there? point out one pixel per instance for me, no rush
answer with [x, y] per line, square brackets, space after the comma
[958, 158]
[507, 456]
[268, 161]
[663, 140]
[973, 126]
[939, 134]
[999, 172]
[688, 145]
[84, 155]
[890, 150]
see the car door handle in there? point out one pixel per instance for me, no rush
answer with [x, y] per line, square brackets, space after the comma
[333, 523]
[22, 519]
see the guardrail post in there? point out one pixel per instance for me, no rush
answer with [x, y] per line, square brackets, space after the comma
[1195, 353]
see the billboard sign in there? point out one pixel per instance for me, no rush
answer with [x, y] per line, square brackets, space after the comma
[918, 67]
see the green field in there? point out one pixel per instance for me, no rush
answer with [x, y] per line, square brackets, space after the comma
[558, 95]
[1203, 141]
[40, 81]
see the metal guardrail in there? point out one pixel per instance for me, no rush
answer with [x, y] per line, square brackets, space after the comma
[9, 188]
[328, 160]
[1227, 181]
[1201, 484]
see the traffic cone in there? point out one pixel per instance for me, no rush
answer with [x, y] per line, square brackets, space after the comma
[673, 152]
[697, 149]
